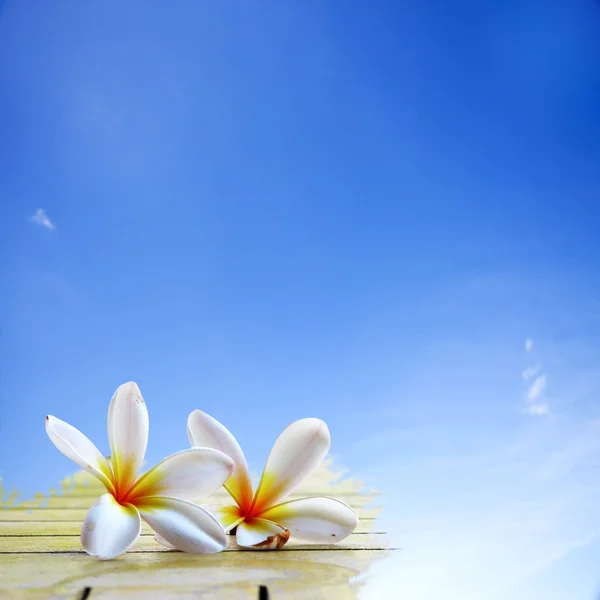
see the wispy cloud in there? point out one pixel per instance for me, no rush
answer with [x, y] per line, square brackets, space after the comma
[530, 372]
[484, 523]
[41, 218]
[537, 388]
[537, 410]
[534, 407]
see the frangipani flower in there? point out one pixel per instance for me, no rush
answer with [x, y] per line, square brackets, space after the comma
[161, 497]
[262, 520]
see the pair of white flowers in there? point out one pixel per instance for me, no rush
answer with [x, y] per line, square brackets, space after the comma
[165, 497]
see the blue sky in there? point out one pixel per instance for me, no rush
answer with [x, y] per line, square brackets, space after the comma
[286, 210]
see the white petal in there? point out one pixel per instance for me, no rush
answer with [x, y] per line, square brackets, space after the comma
[183, 525]
[229, 516]
[110, 528]
[298, 451]
[76, 446]
[316, 520]
[203, 430]
[260, 534]
[190, 474]
[161, 540]
[127, 433]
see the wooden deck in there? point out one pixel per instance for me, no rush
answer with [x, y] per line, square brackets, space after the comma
[41, 554]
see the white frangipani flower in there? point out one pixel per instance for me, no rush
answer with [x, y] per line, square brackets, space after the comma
[161, 497]
[262, 520]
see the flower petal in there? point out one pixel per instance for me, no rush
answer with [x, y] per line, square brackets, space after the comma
[298, 451]
[183, 525]
[161, 540]
[127, 434]
[110, 528]
[203, 430]
[260, 534]
[76, 446]
[228, 516]
[316, 520]
[190, 474]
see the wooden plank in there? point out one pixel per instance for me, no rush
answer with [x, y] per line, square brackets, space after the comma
[297, 575]
[29, 528]
[78, 514]
[147, 543]
[41, 554]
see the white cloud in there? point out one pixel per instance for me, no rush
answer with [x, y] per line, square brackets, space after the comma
[530, 372]
[501, 510]
[41, 218]
[537, 410]
[492, 522]
[537, 388]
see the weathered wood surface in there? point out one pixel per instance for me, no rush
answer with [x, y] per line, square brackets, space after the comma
[41, 554]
